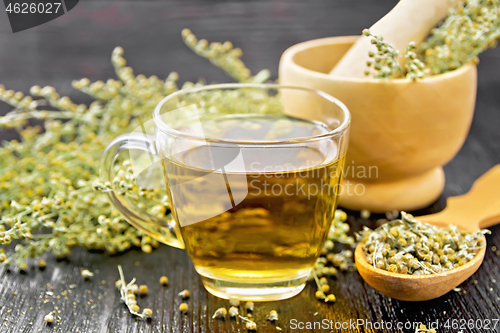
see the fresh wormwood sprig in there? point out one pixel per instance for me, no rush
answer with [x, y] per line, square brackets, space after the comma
[469, 29]
[223, 55]
[50, 196]
[48, 178]
[385, 61]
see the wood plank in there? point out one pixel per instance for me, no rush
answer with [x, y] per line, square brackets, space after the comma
[79, 44]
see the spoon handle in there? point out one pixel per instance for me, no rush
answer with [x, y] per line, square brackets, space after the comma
[478, 208]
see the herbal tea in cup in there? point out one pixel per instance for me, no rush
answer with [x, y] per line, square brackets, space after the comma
[252, 183]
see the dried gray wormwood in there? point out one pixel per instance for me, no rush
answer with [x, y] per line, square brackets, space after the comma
[408, 246]
[220, 313]
[127, 295]
[233, 312]
[330, 260]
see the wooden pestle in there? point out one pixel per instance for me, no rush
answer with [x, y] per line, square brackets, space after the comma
[409, 20]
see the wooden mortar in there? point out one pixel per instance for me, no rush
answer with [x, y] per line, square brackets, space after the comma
[402, 132]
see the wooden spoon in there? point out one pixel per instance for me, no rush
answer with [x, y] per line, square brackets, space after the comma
[479, 208]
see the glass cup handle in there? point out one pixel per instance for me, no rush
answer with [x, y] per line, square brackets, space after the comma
[160, 229]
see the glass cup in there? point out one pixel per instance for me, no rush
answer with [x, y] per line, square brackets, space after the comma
[251, 172]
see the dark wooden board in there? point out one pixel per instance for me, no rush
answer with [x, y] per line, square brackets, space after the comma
[79, 44]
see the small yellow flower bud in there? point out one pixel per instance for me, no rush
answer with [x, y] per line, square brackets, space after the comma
[35, 90]
[273, 315]
[249, 306]
[365, 214]
[134, 289]
[86, 274]
[42, 264]
[184, 293]
[146, 248]
[202, 44]
[320, 295]
[233, 312]
[220, 313]
[173, 76]
[21, 264]
[330, 298]
[251, 326]
[147, 312]
[227, 46]
[341, 215]
[234, 302]
[49, 318]
[143, 289]
[164, 280]
[121, 62]
[183, 307]
[118, 50]
[18, 95]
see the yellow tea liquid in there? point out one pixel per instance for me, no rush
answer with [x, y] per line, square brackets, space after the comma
[254, 214]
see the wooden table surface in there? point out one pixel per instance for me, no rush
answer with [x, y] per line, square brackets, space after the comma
[79, 44]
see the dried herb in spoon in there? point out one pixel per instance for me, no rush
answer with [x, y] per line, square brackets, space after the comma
[408, 246]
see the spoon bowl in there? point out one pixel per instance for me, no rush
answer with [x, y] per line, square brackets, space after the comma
[415, 287]
[479, 208]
